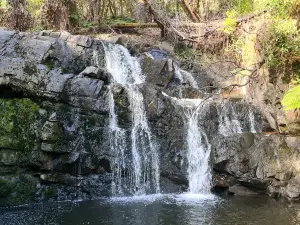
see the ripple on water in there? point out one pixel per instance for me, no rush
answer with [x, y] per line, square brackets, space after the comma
[138, 198]
[196, 199]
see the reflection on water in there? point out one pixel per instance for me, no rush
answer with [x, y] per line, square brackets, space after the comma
[157, 210]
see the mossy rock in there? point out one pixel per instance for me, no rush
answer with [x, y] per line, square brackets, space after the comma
[49, 192]
[294, 128]
[30, 69]
[19, 123]
[122, 109]
[17, 190]
[6, 188]
[4, 170]
[10, 157]
[52, 131]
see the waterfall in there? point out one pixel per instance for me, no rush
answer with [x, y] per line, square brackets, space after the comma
[126, 71]
[198, 146]
[252, 121]
[117, 138]
[198, 155]
[185, 77]
[228, 120]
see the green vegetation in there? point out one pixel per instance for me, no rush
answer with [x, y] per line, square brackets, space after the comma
[243, 6]
[121, 20]
[276, 41]
[18, 118]
[282, 46]
[291, 99]
[230, 22]
[254, 32]
[17, 191]
[49, 192]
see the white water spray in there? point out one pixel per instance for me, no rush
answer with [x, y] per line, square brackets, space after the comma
[228, 121]
[199, 172]
[252, 121]
[198, 156]
[126, 71]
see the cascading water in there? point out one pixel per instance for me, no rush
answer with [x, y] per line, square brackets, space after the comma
[117, 138]
[198, 147]
[228, 120]
[126, 71]
[185, 76]
[252, 121]
[230, 123]
[198, 154]
[199, 174]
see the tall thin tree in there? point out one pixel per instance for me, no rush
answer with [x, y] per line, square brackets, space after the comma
[59, 14]
[17, 16]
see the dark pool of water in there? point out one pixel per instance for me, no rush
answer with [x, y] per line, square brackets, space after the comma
[157, 210]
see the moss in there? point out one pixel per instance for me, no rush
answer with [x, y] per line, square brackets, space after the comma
[23, 193]
[285, 150]
[30, 69]
[92, 127]
[6, 188]
[122, 109]
[18, 49]
[294, 128]
[4, 170]
[64, 70]
[17, 190]
[49, 62]
[52, 131]
[17, 124]
[49, 192]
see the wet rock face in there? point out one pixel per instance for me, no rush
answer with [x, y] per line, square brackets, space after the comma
[266, 94]
[54, 136]
[53, 115]
[55, 112]
[266, 163]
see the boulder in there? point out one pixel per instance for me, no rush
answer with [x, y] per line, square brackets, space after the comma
[293, 188]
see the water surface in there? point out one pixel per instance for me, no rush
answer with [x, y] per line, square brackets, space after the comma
[157, 210]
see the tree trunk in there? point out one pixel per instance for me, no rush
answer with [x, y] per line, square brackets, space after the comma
[190, 10]
[59, 14]
[18, 16]
[163, 23]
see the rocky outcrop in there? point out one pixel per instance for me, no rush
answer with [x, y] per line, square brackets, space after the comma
[266, 94]
[259, 162]
[54, 111]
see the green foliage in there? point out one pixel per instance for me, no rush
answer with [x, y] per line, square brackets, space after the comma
[49, 192]
[280, 8]
[230, 22]
[88, 24]
[17, 123]
[291, 99]
[186, 54]
[296, 77]
[38, 27]
[282, 44]
[243, 6]
[121, 20]
[285, 27]
[3, 4]
[34, 7]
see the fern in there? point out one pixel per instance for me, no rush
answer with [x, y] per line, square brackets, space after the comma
[291, 99]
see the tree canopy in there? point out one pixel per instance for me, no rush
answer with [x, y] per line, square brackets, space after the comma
[275, 41]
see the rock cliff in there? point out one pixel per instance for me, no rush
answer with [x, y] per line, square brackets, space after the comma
[54, 127]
